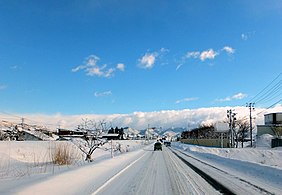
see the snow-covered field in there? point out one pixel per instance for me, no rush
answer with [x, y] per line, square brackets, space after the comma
[26, 168]
[25, 162]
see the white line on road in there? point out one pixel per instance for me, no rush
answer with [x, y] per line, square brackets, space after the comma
[116, 175]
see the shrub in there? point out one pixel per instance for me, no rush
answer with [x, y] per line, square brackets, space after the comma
[62, 154]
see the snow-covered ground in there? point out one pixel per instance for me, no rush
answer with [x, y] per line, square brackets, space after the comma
[260, 155]
[26, 168]
[23, 162]
[261, 167]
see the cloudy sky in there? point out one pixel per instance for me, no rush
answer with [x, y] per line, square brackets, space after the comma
[122, 57]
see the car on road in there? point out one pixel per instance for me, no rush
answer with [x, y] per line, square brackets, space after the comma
[167, 143]
[157, 146]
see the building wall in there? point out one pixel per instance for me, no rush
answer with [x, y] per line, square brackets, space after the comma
[273, 118]
[272, 125]
[265, 129]
[30, 137]
[206, 142]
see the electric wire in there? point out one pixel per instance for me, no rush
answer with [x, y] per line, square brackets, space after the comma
[272, 91]
[270, 106]
[269, 93]
[21, 118]
[265, 88]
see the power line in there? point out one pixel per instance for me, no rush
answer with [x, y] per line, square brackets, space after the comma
[273, 97]
[272, 91]
[253, 99]
[26, 119]
[270, 106]
[10, 114]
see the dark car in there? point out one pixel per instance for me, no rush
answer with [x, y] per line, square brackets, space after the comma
[167, 143]
[158, 146]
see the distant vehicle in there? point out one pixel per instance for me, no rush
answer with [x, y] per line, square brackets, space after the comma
[167, 143]
[157, 146]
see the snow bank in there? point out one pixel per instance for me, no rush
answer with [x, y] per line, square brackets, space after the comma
[25, 158]
[25, 163]
[264, 141]
[269, 157]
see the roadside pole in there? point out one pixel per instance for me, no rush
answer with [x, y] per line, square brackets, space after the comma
[221, 135]
[251, 107]
[112, 153]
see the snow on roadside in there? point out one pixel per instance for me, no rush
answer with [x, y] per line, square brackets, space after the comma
[259, 165]
[28, 162]
[261, 155]
[25, 158]
[85, 179]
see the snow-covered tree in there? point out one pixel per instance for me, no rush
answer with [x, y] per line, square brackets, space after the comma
[91, 138]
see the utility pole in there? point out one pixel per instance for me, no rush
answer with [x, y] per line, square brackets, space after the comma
[251, 107]
[22, 123]
[232, 119]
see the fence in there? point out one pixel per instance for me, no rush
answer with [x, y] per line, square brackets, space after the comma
[207, 142]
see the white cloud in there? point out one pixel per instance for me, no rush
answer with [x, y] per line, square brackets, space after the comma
[185, 100]
[99, 71]
[193, 54]
[208, 54]
[237, 96]
[228, 49]
[164, 50]
[148, 60]
[140, 120]
[91, 61]
[203, 55]
[244, 37]
[102, 94]
[247, 35]
[121, 67]
[178, 66]
[92, 68]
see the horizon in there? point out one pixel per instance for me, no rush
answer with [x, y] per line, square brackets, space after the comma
[165, 119]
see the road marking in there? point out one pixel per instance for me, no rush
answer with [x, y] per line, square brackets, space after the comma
[116, 175]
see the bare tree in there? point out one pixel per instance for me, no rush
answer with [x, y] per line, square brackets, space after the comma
[241, 131]
[91, 138]
[277, 130]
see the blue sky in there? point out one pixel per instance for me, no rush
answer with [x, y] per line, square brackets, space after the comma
[106, 57]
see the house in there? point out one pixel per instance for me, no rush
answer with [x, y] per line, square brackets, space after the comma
[115, 134]
[66, 133]
[272, 126]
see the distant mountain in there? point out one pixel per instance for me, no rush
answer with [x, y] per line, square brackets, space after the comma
[170, 132]
[177, 130]
[131, 131]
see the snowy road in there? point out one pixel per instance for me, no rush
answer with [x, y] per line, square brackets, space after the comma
[140, 172]
[145, 172]
[158, 173]
[234, 176]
